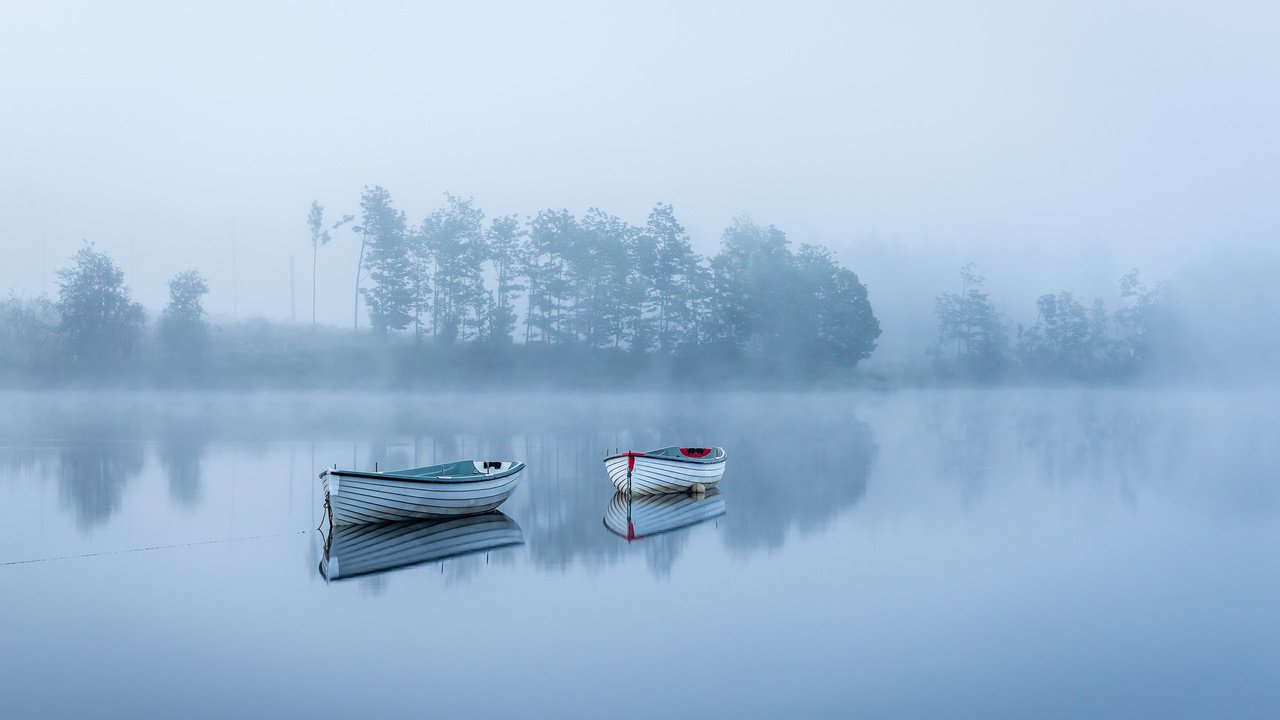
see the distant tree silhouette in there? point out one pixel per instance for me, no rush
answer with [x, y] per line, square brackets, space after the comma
[320, 236]
[972, 333]
[453, 245]
[101, 324]
[505, 247]
[391, 299]
[182, 329]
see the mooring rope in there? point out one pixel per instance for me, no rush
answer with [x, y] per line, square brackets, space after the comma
[152, 547]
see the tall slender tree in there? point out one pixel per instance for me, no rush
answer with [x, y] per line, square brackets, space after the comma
[601, 275]
[320, 236]
[674, 263]
[551, 235]
[454, 241]
[505, 241]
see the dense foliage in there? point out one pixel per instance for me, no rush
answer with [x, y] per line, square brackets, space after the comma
[600, 283]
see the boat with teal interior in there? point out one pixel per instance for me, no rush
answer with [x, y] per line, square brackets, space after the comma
[466, 487]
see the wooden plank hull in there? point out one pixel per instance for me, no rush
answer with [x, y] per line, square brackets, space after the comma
[359, 499]
[353, 550]
[642, 516]
[653, 476]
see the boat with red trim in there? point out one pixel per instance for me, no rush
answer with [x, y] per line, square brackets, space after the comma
[666, 470]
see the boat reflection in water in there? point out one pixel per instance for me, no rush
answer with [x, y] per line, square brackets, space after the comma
[640, 516]
[354, 550]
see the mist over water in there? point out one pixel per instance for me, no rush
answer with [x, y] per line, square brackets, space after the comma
[979, 301]
[1118, 542]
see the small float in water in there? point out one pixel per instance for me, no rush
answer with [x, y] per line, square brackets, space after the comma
[355, 550]
[467, 487]
[636, 517]
[669, 470]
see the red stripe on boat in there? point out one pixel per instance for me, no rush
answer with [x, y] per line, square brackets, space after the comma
[631, 459]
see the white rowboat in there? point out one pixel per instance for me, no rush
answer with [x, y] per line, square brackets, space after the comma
[669, 470]
[468, 487]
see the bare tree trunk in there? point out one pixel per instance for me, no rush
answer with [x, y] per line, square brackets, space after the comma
[355, 312]
[315, 250]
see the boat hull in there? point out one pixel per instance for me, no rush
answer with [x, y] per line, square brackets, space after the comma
[356, 499]
[655, 476]
[638, 517]
[356, 550]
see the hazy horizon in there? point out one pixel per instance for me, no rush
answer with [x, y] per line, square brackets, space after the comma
[1056, 148]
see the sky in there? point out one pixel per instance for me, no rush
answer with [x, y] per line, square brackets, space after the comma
[1054, 144]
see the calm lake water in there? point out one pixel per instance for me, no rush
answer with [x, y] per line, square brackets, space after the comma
[1003, 553]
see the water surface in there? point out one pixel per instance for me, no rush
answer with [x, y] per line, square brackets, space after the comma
[976, 553]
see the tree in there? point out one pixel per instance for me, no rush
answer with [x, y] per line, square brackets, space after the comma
[972, 336]
[750, 278]
[833, 312]
[320, 236]
[600, 270]
[101, 324]
[391, 300]
[505, 250]
[1060, 342]
[182, 329]
[551, 236]
[453, 241]
[28, 334]
[674, 264]
[1145, 323]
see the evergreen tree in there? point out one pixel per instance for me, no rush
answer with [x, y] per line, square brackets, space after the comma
[505, 250]
[674, 264]
[454, 241]
[551, 235]
[101, 324]
[392, 299]
[598, 266]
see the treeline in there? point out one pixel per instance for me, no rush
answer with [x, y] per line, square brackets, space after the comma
[597, 281]
[1067, 341]
[561, 299]
[458, 296]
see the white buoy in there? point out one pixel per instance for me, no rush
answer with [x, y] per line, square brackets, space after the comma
[697, 489]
